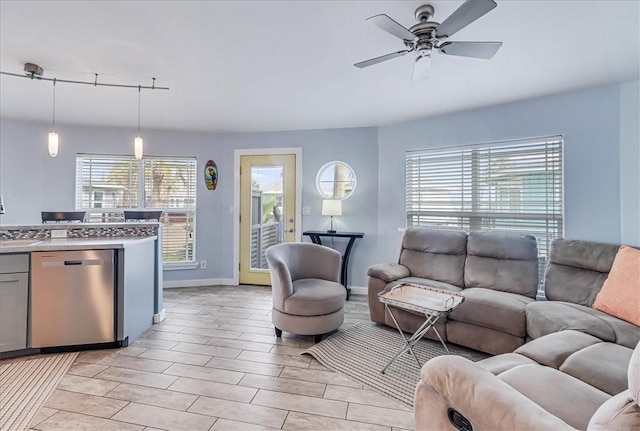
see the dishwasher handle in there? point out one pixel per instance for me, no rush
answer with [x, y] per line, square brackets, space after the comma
[78, 262]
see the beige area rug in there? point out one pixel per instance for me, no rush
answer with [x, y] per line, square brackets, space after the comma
[25, 385]
[363, 350]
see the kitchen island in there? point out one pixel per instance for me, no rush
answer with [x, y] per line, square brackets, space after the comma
[101, 286]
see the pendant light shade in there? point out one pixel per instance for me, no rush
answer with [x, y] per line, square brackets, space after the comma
[53, 136]
[53, 144]
[138, 147]
[138, 143]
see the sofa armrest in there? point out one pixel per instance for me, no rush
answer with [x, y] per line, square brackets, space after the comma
[388, 271]
[484, 399]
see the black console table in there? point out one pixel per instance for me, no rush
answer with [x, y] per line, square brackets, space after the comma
[316, 237]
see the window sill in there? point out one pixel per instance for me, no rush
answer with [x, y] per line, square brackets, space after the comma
[179, 266]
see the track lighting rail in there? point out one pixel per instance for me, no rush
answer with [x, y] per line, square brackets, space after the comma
[95, 83]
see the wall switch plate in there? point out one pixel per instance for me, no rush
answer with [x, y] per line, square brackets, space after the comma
[203, 264]
[58, 233]
[306, 210]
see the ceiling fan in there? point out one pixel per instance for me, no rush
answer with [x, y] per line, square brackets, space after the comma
[427, 35]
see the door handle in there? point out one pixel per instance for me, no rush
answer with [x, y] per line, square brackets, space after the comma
[290, 230]
[290, 220]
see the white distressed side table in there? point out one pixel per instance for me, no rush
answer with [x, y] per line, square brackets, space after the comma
[431, 302]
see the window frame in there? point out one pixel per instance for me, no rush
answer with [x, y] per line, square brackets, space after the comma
[473, 187]
[116, 214]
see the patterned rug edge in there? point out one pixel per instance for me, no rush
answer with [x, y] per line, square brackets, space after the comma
[319, 357]
[26, 403]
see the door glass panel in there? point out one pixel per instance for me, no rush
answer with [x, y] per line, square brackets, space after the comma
[267, 203]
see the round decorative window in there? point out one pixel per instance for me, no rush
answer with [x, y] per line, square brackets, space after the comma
[336, 180]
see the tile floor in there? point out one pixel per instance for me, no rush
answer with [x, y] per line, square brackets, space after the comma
[215, 364]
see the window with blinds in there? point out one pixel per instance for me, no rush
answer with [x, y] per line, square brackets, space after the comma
[108, 185]
[507, 186]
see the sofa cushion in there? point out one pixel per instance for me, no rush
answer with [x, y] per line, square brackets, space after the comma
[388, 271]
[577, 270]
[587, 365]
[435, 254]
[310, 300]
[501, 363]
[502, 261]
[627, 334]
[546, 317]
[497, 310]
[563, 396]
[553, 350]
[620, 293]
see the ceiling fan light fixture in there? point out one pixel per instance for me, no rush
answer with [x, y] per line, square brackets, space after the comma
[426, 35]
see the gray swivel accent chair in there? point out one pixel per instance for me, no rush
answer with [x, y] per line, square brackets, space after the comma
[307, 296]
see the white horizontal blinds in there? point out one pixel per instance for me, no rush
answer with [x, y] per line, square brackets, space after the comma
[513, 187]
[170, 185]
[106, 185]
[105, 182]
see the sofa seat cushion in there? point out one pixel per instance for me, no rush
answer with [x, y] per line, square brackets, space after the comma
[553, 349]
[566, 397]
[546, 317]
[310, 300]
[500, 363]
[602, 365]
[627, 334]
[493, 309]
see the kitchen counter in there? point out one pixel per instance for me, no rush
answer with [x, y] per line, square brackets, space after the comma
[70, 225]
[67, 244]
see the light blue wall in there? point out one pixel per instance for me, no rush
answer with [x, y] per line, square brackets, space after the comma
[589, 121]
[31, 181]
[602, 190]
[630, 163]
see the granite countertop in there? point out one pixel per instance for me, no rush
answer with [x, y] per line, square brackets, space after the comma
[79, 225]
[66, 244]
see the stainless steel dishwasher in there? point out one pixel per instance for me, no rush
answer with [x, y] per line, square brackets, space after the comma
[72, 298]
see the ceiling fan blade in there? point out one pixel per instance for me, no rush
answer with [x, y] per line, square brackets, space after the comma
[422, 68]
[471, 49]
[470, 11]
[390, 26]
[380, 59]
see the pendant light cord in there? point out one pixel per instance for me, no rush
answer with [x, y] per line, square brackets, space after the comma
[139, 110]
[54, 105]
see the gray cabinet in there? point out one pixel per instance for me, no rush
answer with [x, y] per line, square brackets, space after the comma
[14, 298]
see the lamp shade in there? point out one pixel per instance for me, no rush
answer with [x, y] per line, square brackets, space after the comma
[331, 207]
[137, 147]
[53, 144]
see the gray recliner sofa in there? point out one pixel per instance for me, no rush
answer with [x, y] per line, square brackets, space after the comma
[498, 275]
[574, 275]
[556, 382]
[496, 272]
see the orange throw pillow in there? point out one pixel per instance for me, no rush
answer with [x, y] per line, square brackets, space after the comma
[620, 293]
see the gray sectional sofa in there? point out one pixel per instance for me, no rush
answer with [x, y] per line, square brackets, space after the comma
[566, 380]
[498, 275]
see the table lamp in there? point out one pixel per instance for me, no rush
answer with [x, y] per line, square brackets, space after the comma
[331, 207]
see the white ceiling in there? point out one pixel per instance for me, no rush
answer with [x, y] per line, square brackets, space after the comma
[286, 65]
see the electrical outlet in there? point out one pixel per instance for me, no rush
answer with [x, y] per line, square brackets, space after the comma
[203, 264]
[306, 210]
[58, 233]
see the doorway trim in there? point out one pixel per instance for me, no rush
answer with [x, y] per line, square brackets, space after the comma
[297, 151]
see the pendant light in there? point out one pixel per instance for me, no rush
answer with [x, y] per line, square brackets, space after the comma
[53, 135]
[138, 143]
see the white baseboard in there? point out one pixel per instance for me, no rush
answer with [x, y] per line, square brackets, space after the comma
[198, 283]
[359, 290]
[355, 290]
[159, 317]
